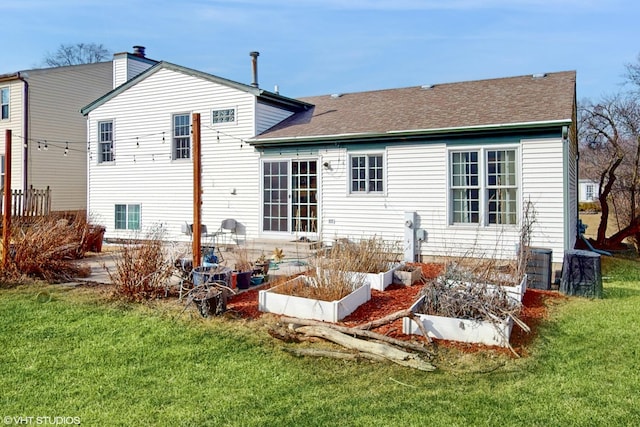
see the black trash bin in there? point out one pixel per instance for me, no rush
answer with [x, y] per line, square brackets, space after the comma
[581, 274]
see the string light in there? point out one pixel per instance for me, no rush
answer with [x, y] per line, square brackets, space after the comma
[137, 143]
[66, 149]
[39, 148]
[46, 147]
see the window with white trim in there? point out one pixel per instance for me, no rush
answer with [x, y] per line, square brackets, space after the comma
[367, 173]
[127, 217]
[105, 141]
[227, 115]
[483, 186]
[4, 103]
[181, 136]
[589, 192]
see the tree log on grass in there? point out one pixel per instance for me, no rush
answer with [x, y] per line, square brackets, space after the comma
[360, 333]
[379, 349]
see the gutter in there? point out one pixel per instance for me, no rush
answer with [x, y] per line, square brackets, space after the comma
[401, 134]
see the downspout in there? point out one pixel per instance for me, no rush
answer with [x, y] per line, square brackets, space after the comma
[25, 133]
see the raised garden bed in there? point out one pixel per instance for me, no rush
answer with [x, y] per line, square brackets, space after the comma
[270, 301]
[407, 274]
[488, 332]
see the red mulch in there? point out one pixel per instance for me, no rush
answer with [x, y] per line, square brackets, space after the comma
[398, 297]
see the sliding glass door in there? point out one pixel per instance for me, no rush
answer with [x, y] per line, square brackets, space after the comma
[290, 196]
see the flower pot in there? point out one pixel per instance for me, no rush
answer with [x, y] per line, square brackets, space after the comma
[202, 275]
[243, 279]
[210, 302]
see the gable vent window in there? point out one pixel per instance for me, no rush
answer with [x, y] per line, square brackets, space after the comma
[223, 116]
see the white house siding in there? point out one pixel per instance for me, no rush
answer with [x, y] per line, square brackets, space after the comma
[543, 183]
[571, 185]
[416, 180]
[15, 124]
[145, 174]
[268, 116]
[126, 66]
[56, 96]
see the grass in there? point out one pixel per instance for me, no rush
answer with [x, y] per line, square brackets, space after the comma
[121, 364]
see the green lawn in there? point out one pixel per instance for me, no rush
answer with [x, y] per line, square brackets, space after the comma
[116, 364]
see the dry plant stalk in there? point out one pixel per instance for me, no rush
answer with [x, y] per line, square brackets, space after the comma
[471, 300]
[341, 270]
[332, 286]
[243, 260]
[142, 269]
[43, 247]
[372, 255]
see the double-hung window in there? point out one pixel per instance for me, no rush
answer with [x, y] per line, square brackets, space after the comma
[4, 103]
[483, 186]
[181, 136]
[105, 142]
[127, 217]
[589, 192]
[367, 173]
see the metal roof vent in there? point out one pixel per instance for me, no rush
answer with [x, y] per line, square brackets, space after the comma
[539, 75]
[336, 95]
[425, 87]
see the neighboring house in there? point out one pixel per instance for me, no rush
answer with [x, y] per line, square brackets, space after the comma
[588, 191]
[49, 135]
[460, 160]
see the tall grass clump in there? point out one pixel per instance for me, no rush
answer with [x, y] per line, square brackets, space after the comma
[143, 268]
[44, 247]
[342, 268]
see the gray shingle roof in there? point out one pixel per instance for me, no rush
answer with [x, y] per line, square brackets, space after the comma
[480, 103]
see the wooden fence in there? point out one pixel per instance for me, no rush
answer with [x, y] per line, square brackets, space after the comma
[29, 203]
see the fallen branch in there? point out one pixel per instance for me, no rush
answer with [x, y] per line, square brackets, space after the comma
[360, 333]
[333, 354]
[380, 349]
[385, 320]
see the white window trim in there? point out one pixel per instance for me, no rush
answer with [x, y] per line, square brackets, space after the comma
[8, 89]
[483, 220]
[224, 124]
[173, 146]
[127, 206]
[385, 180]
[113, 143]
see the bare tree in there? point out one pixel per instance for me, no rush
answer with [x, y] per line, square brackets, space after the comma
[610, 134]
[79, 53]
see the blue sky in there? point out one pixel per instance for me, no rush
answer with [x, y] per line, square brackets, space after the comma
[315, 47]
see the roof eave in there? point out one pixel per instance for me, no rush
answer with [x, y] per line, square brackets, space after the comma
[401, 134]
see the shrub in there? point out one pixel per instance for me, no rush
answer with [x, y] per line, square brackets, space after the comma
[43, 247]
[142, 268]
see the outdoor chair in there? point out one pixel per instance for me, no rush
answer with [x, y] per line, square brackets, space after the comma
[228, 231]
[207, 240]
